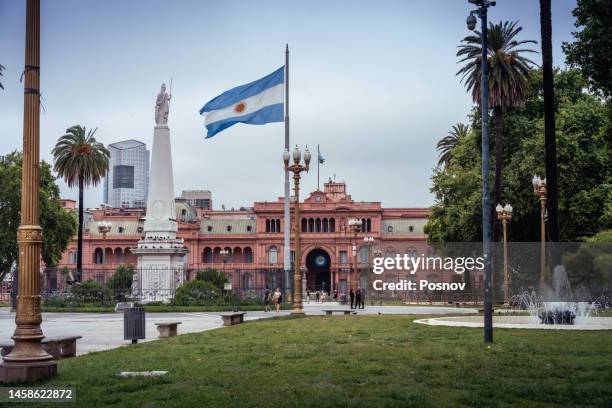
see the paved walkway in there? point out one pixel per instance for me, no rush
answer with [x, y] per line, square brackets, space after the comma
[104, 331]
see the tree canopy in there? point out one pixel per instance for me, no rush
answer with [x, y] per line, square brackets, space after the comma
[583, 144]
[59, 226]
[591, 53]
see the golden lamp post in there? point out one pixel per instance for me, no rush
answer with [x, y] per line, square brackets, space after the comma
[368, 241]
[355, 226]
[28, 361]
[539, 188]
[504, 214]
[104, 227]
[296, 168]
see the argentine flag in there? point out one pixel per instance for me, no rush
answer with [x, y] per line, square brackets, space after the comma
[256, 103]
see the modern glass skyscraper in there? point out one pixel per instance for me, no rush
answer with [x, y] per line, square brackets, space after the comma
[127, 181]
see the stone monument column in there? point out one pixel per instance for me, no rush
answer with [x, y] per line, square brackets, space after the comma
[160, 253]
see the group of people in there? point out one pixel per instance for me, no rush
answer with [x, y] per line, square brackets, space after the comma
[357, 299]
[272, 298]
[319, 296]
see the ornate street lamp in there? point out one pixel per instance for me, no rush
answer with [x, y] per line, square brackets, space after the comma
[225, 255]
[355, 226]
[104, 228]
[504, 214]
[481, 11]
[296, 168]
[539, 189]
[368, 241]
[28, 361]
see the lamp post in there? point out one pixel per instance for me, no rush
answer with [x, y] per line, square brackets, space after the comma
[368, 241]
[225, 255]
[539, 188]
[504, 214]
[355, 226]
[378, 253]
[481, 11]
[28, 361]
[104, 228]
[296, 168]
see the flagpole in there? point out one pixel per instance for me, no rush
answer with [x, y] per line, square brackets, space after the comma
[287, 229]
[318, 164]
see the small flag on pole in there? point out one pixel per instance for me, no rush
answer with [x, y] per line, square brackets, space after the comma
[321, 158]
[255, 103]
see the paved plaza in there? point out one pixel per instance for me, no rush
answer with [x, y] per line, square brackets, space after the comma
[104, 331]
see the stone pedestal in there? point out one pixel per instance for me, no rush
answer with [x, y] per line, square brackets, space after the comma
[15, 373]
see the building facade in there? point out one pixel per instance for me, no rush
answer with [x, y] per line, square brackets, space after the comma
[198, 198]
[127, 181]
[332, 254]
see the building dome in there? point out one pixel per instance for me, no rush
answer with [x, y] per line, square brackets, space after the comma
[184, 211]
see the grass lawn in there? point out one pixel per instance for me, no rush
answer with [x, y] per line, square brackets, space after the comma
[157, 308]
[364, 361]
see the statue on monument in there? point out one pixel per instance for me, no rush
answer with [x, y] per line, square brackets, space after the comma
[162, 106]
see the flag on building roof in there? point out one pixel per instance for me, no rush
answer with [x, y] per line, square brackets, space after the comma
[255, 103]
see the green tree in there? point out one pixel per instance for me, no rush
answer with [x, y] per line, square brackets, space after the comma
[59, 226]
[80, 160]
[446, 145]
[582, 129]
[218, 279]
[591, 53]
[122, 278]
[508, 84]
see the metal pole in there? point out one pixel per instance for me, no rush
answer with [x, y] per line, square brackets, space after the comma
[28, 361]
[297, 273]
[287, 226]
[506, 282]
[318, 164]
[486, 205]
[542, 238]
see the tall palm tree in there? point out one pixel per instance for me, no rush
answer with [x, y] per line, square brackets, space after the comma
[508, 85]
[80, 160]
[550, 140]
[447, 144]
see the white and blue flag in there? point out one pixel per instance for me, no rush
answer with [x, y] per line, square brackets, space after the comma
[255, 103]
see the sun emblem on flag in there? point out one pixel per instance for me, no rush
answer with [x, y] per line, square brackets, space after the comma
[240, 107]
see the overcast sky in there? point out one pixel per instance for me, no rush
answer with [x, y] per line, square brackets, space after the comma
[372, 82]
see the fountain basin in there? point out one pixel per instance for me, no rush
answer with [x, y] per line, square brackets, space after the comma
[518, 322]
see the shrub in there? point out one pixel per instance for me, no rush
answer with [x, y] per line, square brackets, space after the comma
[198, 292]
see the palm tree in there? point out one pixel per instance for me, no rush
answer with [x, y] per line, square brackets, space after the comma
[447, 144]
[508, 85]
[2, 68]
[80, 160]
[550, 140]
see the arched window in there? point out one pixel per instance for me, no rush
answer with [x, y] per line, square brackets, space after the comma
[278, 226]
[267, 225]
[119, 258]
[318, 225]
[273, 255]
[332, 225]
[369, 225]
[248, 255]
[207, 255]
[363, 225]
[325, 225]
[98, 256]
[304, 224]
[310, 225]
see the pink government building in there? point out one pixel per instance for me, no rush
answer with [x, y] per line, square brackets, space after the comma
[253, 238]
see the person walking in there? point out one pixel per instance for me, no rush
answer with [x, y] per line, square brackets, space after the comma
[335, 295]
[267, 300]
[362, 297]
[277, 298]
[358, 298]
[308, 296]
[318, 295]
[352, 296]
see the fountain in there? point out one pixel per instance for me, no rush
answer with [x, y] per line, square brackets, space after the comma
[560, 311]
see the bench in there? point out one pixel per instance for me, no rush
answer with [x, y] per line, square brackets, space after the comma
[329, 312]
[232, 318]
[58, 346]
[167, 329]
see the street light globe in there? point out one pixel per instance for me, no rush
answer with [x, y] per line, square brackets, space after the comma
[307, 156]
[297, 155]
[499, 209]
[536, 180]
[471, 22]
[286, 157]
[507, 208]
